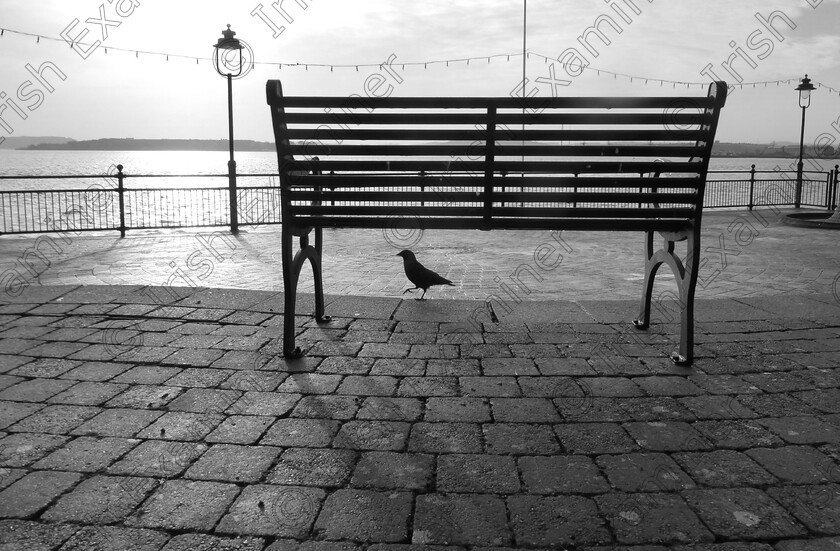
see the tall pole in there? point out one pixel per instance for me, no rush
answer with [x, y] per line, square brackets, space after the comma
[799, 166]
[524, 78]
[234, 214]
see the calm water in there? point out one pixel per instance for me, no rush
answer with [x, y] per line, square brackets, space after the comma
[43, 163]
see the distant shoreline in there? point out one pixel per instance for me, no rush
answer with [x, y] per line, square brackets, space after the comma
[721, 149]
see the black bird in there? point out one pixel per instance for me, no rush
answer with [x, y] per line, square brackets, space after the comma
[419, 275]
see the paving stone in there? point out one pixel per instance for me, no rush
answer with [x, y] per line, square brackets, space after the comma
[384, 350]
[723, 384]
[656, 518]
[519, 439]
[667, 386]
[489, 386]
[667, 436]
[610, 386]
[178, 425]
[644, 472]
[310, 383]
[86, 454]
[264, 403]
[205, 542]
[584, 408]
[12, 412]
[372, 435]
[263, 381]
[815, 506]
[551, 366]
[473, 473]
[811, 544]
[310, 433]
[240, 429]
[393, 470]
[428, 386]
[201, 377]
[364, 515]
[742, 513]
[101, 500]
[658, 408]
[475, 410]
[494, 367]
[204, 400]
[45, 368]
[313, 467]
[158, 458]
[8, 476]
[35, 390]
[346, 365]
[717, 407]
[55, 349]
[118, 422]
[391, 409]
[9, 362]
[551, 521]
[55, 419]
[565, 474]
[479, 520]
[250, 463]
[115, 538]
[803, 430]
[724, 469]
[22, 449]
[34, 492]
[797, 464]
[88, 394]
[286, 511]
[368, 385]
[453, 368]
[445, 438]
[399, 367]
[145, 397]
[524, 410]
[327, 407]
[826, 400]
[185, 505]
[736, 434]
[33, 536]
[146, 375]
[594, 438]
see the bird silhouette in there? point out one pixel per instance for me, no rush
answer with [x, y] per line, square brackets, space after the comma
[419, 275]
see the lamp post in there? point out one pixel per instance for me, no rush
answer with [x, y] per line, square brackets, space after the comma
[229, 67]
[805, 87]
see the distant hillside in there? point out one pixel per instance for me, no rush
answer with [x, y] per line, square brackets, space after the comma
[13, 142]
[131, 144]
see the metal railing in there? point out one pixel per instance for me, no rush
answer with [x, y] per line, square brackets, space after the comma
[106, 203]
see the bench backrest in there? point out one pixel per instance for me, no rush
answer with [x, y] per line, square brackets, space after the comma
[620, 163]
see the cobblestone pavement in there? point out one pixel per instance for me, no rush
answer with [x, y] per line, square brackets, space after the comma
[137, 418]
[744, 254]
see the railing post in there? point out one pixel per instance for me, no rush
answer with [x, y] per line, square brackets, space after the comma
[752, 186]
[120, 193]
[833, 200]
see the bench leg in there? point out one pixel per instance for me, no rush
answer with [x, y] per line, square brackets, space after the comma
[292, 265]
[686, 277]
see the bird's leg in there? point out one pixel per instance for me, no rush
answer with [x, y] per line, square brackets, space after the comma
[422, 295]
[412, 289]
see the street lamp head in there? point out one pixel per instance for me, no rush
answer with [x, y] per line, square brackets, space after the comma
[805, 87]
[228, 54]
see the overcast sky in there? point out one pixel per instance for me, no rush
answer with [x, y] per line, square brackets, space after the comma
[120, 94]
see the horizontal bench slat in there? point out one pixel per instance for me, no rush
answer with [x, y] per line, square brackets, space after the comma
[353, 119]
[442, 196]
[456, 179]
[454, 223]
[326, 135]
[504, 102]
[544, 167]
[426, 212]
[464, 150]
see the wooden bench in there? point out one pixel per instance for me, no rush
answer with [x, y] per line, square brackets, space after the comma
[568, 163]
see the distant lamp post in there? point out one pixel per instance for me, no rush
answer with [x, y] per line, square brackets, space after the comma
[805, 87]
[228, 63]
